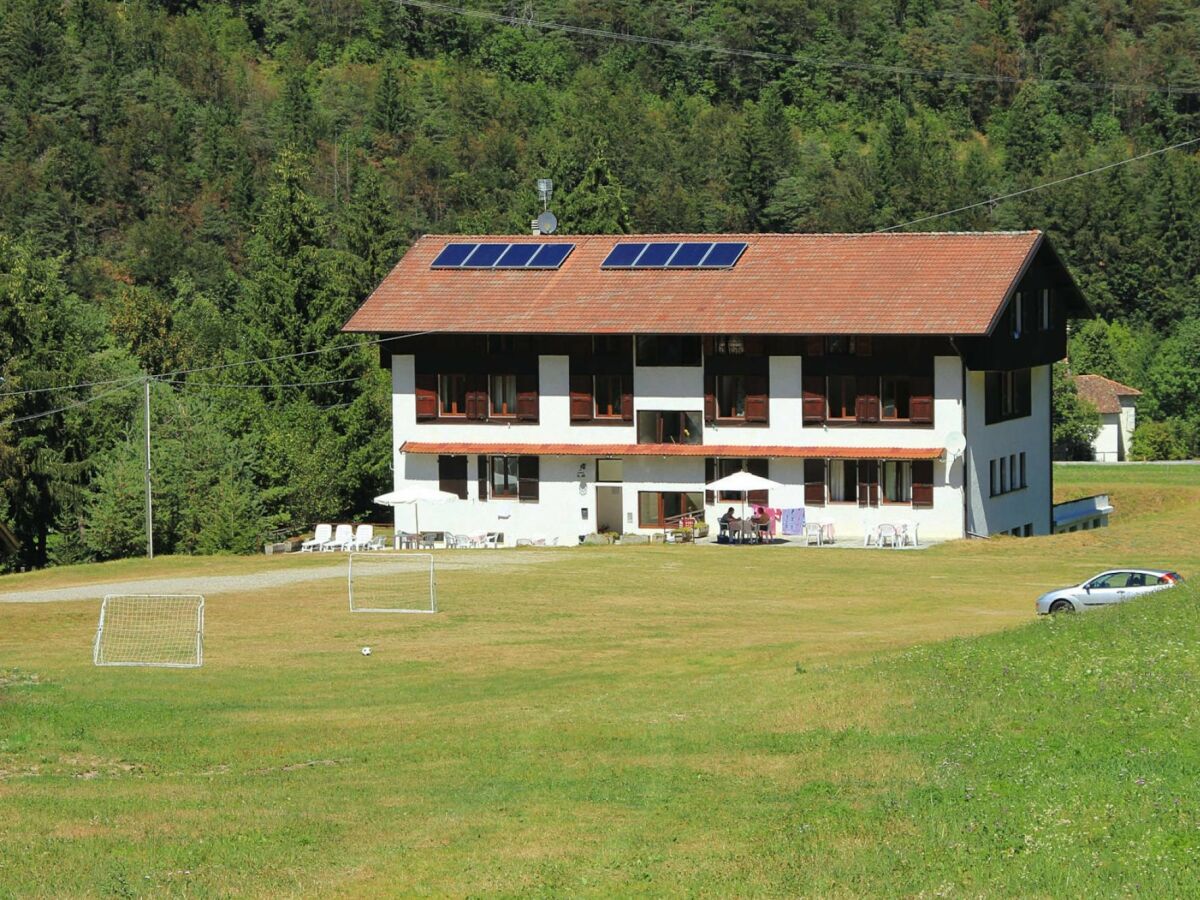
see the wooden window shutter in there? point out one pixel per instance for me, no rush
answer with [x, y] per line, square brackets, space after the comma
[527, 398]
[527, 474]
[427, 396]
[922, 483]
[761, 468]
[920, 403]
[477, 397]
[710, 398]
[581, 398]
[627, 398]
[868, 482]
[481, 474]
[814, 398]
[866, 405]
[710, 474]
[452, 475]
[814, 345]
[757, 398]
[814, 482]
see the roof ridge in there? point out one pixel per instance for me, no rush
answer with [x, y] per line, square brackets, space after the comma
[722, 235]
[1125, 389]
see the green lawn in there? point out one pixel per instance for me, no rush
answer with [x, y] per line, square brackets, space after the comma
[647, 720]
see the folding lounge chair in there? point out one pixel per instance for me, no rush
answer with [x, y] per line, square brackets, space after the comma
[342, 538]
[320, 537]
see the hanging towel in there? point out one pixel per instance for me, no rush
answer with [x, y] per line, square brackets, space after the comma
[793, 521]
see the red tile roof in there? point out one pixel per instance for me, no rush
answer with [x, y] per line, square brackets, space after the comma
[1104, 393]
[719, 450]
[927, 283]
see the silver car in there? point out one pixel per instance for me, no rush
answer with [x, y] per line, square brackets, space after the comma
[1113, 586]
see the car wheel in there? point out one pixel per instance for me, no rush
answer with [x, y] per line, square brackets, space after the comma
[1061, 606]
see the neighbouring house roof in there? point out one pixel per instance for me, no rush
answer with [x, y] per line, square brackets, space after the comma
[717, 450]
[925, 283]
[1104, 393]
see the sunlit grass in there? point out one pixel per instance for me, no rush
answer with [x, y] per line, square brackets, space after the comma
[629, 720]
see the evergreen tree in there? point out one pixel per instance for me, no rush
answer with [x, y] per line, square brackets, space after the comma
[1075, 422]
[597, 204]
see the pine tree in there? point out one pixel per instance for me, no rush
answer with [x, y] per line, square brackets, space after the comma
[597, 204]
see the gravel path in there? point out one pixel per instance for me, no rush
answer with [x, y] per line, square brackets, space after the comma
[255, 581]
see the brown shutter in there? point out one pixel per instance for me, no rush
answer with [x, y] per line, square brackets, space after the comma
[482, 476]
[814, 482]
[922, 483]
[757, 398]
[581, 398]
[427, 398]
[452, 475]
[761, 468]
[527, 474]
[627, 398]
[866, 404]
[814, 345]
[868, 482]
[920, 402]
[527, 398]
[710, 474]
[477, 397]
[814, 398]
[710, 398]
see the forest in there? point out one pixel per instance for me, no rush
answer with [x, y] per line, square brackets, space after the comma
[186, 186]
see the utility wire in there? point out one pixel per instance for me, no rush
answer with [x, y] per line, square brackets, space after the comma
[764, 55]
[70, 387]
[190, 385]
[78, 403]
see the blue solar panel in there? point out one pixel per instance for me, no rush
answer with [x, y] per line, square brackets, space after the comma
[485, 256]
[517, 256]
[623, 256]
[657, 255]
[551, 256]
[690, 255]
[452, 255]
[722, 256]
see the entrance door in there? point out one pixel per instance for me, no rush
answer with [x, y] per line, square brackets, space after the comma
[609, 512]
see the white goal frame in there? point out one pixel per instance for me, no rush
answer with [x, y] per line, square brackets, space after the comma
[376, 556]
[98, 645]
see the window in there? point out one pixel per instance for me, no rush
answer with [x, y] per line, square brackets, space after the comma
[1003, 474]
[1008, 474]
[720, 468]
[842, 396]
[668, 350]
[1027, 531]
[896, 392]
[505, 477]
[1046, 317]
[1015, 312]
[1022, 481]
[502, 391]
[611, 345]
[897, 481]
[729, 345]
[1007, 395]
[847, 345]
[731, 396]
[658, 508]
[452, 395]
[814, 482]
[510, 343]
[994, 477]
[452, 475]
[608, 392]
[668, 427]
[843, 481]
[609, 470]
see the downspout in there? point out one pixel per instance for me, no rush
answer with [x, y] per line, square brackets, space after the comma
[962, 371]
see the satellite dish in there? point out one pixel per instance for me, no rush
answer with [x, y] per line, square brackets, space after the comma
[547, 222]
[955, 444]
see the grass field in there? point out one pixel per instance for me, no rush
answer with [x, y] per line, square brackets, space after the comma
[645, 720]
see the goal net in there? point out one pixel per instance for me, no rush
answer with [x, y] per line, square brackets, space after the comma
[150, 630]
[392, 583]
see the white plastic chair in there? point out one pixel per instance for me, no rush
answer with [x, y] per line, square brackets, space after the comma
[870, 532]
[491, 540]
[908, 534]
[814, 533]
[887, 534]
[364, 535]
[320, 537]
[342, 538]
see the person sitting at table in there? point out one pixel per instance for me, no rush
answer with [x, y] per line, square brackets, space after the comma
[726, 521]
[761, 520]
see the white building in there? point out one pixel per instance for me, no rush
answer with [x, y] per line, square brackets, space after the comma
[562, 386]
[1117, 405]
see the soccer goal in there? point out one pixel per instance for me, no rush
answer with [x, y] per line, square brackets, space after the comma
[150, 630]
[392, 583]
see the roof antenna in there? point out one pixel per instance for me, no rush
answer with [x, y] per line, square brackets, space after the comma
[547, 222]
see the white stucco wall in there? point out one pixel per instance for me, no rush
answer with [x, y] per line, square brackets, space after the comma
[557, 514]
[1107, 445]
[990, 515]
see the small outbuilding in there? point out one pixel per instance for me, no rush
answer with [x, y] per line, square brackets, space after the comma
[1116, 404]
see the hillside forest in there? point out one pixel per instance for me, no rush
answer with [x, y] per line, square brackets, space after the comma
[185, 186]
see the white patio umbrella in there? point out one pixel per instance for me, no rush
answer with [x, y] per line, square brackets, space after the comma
[744, 482]
[415, 494]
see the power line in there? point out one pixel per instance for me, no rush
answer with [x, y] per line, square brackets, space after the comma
[767, 56]
[192, 385]
[78, 403]
[70, 387]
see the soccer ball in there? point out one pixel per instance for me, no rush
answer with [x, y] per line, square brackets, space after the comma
[366, 651]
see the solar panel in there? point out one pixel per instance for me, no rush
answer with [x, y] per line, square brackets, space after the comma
[452, 255]
[516, 256]
[551, 256]
[623, 256]
[723, 256]
[485, 256]
[690, 255]
[657, 255]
